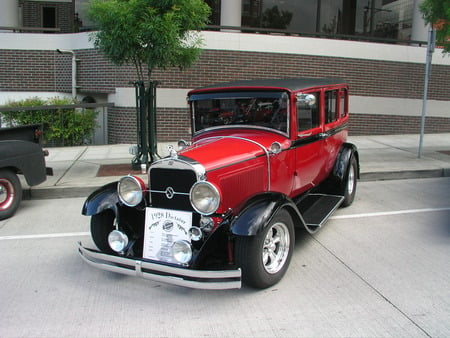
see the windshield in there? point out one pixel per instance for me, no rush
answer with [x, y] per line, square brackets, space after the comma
[266, 109]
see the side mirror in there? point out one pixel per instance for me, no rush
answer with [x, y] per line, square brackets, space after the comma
[308, 99]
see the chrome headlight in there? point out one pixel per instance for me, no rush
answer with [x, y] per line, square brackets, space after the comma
[182, 252]
[130, 190]
[205, 198]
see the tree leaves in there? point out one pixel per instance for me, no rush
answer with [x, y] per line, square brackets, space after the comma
[437, 13]
[155, 33]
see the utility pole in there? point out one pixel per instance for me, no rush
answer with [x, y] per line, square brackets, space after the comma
[430, 50]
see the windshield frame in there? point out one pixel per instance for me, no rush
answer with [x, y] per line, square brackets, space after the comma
[256, 98]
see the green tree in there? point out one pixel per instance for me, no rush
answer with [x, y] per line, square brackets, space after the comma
[437, 13]
[151, 34]
[154, 33]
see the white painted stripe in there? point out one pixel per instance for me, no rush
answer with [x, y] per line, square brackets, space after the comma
[165, 97]
[45, 236]
[246, 42]
[389, 213]
[363, 215]
[176, 98]
[321, 47]
[397, 106]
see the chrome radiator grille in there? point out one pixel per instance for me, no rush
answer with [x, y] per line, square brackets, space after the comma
[169, 188]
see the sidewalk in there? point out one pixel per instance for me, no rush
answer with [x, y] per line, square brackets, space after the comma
[382, 157]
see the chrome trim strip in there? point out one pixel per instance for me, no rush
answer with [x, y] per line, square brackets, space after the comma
[181, 162]
[245, 126]
[196, 279]
[175, 193]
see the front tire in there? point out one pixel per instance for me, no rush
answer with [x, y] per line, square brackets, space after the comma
[265, 257]
[101, 226]
[10, 193]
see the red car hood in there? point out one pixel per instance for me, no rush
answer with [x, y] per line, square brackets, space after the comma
[221, 151]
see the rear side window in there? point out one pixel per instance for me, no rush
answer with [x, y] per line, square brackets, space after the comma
[308, 116]
[343, 105]
[331, 104]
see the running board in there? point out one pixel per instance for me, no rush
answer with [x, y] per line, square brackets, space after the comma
[317, 208]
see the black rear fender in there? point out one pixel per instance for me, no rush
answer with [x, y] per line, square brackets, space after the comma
[335, 182]
[348, 150]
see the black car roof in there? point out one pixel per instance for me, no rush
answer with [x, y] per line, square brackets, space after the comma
[292, 84]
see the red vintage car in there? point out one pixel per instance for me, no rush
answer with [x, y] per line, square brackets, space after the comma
[222, 209]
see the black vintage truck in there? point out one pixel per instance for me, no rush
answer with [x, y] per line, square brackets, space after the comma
[20, 153]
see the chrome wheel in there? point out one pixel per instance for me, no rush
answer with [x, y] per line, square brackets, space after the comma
[351, 180]
[10, 193]
[349, 185]
[276, 248]
[6, 194]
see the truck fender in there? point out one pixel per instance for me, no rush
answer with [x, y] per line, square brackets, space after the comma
[258, 212]
[25, 158]
[102, 199]
[347, 151]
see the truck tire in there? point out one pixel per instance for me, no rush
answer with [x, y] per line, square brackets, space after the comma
[265, 257]
[10, 193]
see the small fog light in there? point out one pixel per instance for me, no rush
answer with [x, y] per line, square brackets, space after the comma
[275, 148]
[195, 233]
[117, 240]
[206, 224]
[182, 251]
[182, 144]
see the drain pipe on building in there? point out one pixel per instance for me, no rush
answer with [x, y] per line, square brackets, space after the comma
[74, 70]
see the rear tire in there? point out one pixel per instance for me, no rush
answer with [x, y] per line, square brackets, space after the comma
[10, 193]
[349, 187]
[101, 226]
[265, 257]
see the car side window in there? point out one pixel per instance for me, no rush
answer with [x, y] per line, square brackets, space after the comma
[331, 97]
[308, 116]
[343, 104]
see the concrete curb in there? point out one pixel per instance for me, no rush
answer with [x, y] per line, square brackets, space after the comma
[57, 192]
[404, 174]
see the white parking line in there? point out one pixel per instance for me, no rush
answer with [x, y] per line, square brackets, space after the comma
[67, 234]
[364, 215]
[389, 213]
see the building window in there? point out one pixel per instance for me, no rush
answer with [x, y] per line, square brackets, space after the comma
[49, 17]
[374, 18]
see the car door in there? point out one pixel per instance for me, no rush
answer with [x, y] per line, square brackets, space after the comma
[335, 125]
[309, 143]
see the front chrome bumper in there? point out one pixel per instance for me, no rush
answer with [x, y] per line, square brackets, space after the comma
[196, 279]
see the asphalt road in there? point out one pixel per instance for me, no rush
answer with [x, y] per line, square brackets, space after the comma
[378, 268]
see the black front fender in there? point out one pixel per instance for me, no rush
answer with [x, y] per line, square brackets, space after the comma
[104, 198]
[258, 212]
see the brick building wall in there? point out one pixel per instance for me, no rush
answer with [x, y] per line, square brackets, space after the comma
[37, 70]
[32, 14]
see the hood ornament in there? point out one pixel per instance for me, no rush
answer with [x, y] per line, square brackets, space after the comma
[172, 152]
